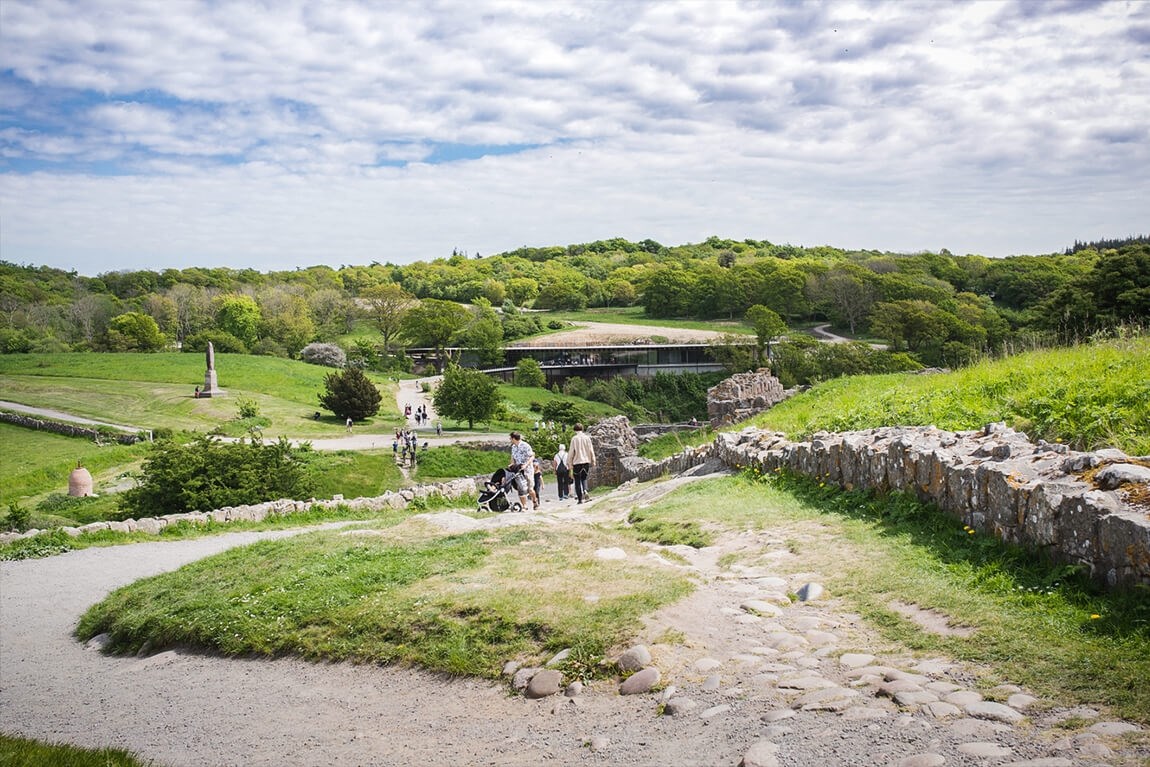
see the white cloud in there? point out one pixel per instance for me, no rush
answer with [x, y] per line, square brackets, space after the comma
[252, 133]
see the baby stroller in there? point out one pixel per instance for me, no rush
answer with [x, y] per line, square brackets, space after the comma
[499, 493]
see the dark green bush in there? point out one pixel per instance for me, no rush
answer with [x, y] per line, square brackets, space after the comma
[208, 474]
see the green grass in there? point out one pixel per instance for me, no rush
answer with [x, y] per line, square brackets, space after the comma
[1033, 621]
[462, 604]
[154, 390]
[1086, 396]
[672, 443]
[44, 460]
[354, 474]
[22, 752]
[450, 462]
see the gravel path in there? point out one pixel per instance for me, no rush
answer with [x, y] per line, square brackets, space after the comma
[753, 678]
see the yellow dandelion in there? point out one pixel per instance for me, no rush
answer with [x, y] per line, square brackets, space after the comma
[1094, 616]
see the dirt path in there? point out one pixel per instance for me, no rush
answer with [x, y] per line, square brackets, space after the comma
[776, 681]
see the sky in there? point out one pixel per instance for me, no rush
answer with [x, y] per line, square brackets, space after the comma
[278, 134]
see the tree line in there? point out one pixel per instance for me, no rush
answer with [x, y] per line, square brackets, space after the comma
[942, 308]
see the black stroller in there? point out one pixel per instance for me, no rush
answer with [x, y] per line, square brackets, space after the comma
[499, 493]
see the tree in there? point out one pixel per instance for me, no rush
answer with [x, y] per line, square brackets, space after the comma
[846, 294]
[328, 355]
[434, 323]
[528, 373]
[350, 395]
[466, 395]
[484, 333]
[286, 318]
[238, 315]
[388, 305]
[768, 326]
[134, 332]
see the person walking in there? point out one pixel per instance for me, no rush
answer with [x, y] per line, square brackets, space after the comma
[522, 459]
[562, 472]
[349, 424]
[582, 455]
[537, 490]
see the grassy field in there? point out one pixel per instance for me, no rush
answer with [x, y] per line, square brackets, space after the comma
[1086, 396]
[154, 390]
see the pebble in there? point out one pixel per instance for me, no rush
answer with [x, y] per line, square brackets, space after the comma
[810, 591]
[544, 683]
[984, 749]
[995, 711]
[820, 638]
[711, 683]
[942, 710]
[679, 705]
[856, 660]
[599, 743]
[640, 681]
[761, 607]
[761, 754]
[777, 714]
[1021, 700]
[703, 665]
[714, 711]
[634, 658]
[804, 683]
[963, 698]
[923, 760]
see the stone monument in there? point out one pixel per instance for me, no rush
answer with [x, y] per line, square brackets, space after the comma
[211, 385]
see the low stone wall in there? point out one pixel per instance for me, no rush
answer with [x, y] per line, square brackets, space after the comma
[261, 511]
[69, 430]
[1041, 496]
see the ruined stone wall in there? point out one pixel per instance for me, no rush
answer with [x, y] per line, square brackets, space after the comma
[743, 395]
[994, 480]
[69, 430]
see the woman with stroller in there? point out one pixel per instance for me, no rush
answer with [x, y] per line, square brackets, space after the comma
[522, 462]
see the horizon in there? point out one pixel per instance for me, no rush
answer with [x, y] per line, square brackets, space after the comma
[142, 136]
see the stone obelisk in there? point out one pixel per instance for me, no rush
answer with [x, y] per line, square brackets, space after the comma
[211, 385]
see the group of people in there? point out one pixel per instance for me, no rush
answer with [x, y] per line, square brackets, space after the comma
[420, 414]
[405, 446]
[571, 467]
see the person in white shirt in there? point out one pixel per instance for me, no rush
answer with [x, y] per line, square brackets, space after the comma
[582, 454]
[522, 460]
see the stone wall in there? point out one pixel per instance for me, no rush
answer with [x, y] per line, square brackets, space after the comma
[261, 511]
[70, 430]
[617, 458]
[743, 395]
[1041, 496]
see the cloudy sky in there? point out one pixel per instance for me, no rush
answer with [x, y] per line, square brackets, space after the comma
[275, 134]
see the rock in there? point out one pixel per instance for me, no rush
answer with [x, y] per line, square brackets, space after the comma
[922, 760]
[1021, 701]
[809, 592]
[99, 642]
[559, 657]
[761, 607]
[1113, 728]
[611, 553]
[777, 714]
[1049, 761]
[703, 665]
[994, 711]
[963, 698]
[1117, 474]
[679, 705]
[827, 699]
[634, 658]
[714, 711]
[640, 681]
[977, 728]
[984, 750]
[821, 638]
[856, 660]
[711, 683]
[522, 677]
[598, 743]
[942, 710]
[808, 682]
[573, 690]
[545, 683]
[761, 754]
[510, 667]
[911, 698]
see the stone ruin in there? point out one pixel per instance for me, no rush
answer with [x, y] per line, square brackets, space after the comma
[743, 395]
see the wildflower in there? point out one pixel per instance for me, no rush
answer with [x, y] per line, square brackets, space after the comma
[970, 532]
[1094, 616]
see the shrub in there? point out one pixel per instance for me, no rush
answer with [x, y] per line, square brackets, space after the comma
[351, 395]
[248, 408]
[528, 373]
[208, 474]
[17, 518]
[328, 355]
[563, 411]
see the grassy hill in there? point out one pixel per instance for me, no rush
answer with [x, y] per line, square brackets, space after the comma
[1088, 396]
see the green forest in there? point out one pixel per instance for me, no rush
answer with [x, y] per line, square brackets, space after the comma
[937, 309]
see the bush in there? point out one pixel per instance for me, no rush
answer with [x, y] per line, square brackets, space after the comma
[207, 474]
[328, 355]
[248, 408]
[563, 411]
[528, 373]
[350, 395]
[18, 518]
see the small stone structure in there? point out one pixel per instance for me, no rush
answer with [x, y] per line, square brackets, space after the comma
[743, 395]
[80, 482]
